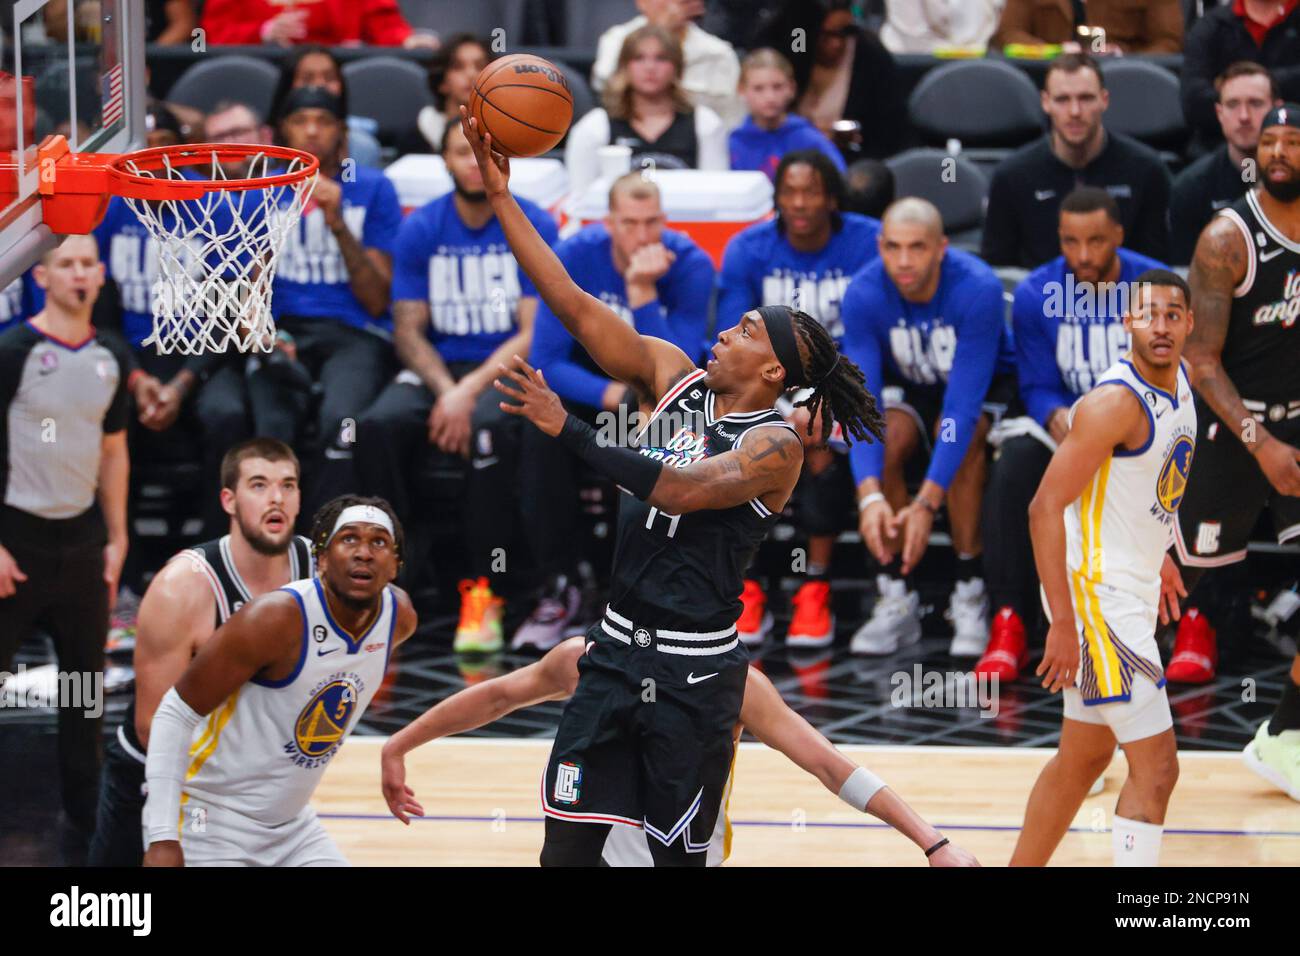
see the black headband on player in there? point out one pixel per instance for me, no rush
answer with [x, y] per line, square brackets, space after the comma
[312, 98]
[1288, 114]
[780, 330]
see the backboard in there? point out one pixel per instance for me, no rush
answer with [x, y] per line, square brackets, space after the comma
[74, 67]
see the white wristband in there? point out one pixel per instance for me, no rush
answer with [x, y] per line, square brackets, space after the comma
[870, 500]
[170, 733]
[861, 786]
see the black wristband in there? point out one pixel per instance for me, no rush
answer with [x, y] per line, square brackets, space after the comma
[937, 847]
[627, 468]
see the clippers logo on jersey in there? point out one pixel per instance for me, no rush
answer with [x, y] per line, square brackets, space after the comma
[1286, 310]
[924, 352]
[323, 723]
[568, 783]
[817, 294]
[473, 293]
[1173, 473]
[311, 254]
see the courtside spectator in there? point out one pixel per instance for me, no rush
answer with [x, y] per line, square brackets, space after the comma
[161, 127]
[331, 297]
[1246, 93]
[922, 26]
[660, 282]
[1266, 32]
[1121, 26]
[1068, 327]
[648, 110]
[1020, 227]
[925, 324]
[460, 307]
[709, 70]
[316, 66]
[329, 22]
[452, 71]
[804, 258]
[770, 131]
[842, 72]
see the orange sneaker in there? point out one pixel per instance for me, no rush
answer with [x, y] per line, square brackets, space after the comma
[1196, 652]
[813, 624]
[479, 630]
[1006, 653]
[755, 620]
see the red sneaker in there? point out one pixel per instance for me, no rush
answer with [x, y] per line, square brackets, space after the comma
[813, 625]
[1196, 652]
[755, 619]
[1006, 654]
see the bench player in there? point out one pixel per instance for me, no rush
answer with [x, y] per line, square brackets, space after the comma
[766, 715]
[1102, 523]
[281, 684]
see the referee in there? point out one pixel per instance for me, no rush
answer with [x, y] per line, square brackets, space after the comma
[63, 476]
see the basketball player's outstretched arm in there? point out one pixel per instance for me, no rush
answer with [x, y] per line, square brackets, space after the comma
[764, 465]
[262, 638]
[1106, 419]
[1218, 266]
[649, 365]
[770, 719]
[552, 678]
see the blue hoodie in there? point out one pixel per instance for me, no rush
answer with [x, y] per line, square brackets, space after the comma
[753, 147]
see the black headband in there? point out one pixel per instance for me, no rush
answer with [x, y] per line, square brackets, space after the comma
[1288, 114]
[780, 330]
[312, 98]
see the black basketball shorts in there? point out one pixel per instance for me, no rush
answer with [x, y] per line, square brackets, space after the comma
[647, 739]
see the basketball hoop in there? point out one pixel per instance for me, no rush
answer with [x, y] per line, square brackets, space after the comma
[219, 213]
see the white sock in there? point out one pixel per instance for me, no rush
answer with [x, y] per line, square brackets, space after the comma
[1134, 843]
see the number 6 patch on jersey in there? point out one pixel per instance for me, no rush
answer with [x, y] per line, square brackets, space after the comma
[568, 783]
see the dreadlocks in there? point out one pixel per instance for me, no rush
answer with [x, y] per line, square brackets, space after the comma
[840, 385]
[323, 522]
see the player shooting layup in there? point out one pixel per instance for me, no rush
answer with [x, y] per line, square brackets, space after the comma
[646, 740]
[1102, 523]
[282, 684]
[766, 715]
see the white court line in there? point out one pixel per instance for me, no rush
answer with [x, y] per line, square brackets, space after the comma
[758, 745]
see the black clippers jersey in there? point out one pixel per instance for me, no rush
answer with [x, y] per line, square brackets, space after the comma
[686, 572]
[1261, 352]
[214, 561]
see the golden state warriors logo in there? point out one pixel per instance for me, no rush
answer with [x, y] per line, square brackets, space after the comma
[1173, 473]
[324, 721]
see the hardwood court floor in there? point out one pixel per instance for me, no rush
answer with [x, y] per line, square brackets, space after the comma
[481, 797]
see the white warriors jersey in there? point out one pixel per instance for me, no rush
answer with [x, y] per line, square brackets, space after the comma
[263, 750]
[1118, 530]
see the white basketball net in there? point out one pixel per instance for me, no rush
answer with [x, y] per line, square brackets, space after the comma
[217, 255]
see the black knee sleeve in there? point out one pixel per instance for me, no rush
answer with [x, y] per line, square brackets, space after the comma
[573, 844]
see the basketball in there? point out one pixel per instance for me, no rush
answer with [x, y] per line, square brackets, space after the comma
[524, 102]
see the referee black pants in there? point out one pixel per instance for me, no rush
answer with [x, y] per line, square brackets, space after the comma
[64, 595]
[1014, 476]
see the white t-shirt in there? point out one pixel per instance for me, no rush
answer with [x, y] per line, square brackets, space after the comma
[581, 150]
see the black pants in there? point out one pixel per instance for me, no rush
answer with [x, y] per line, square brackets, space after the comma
[350, 366]
[118, 839]
[548, 496]
[392, 437]
[1009, 572]
[65, 595]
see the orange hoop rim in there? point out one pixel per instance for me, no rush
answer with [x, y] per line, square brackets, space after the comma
[204, 154]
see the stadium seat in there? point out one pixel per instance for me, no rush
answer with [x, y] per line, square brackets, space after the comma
[389, 90]
[480, 17]
[1144, 103]
[958, 190]
[983, 103]
[244, 79]
[585, 21]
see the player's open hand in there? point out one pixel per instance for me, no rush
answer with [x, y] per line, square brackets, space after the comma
[952, 855]
[400, 798]
[1060, 661]
[536, 401]
[1171, 589]
[494, 167]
